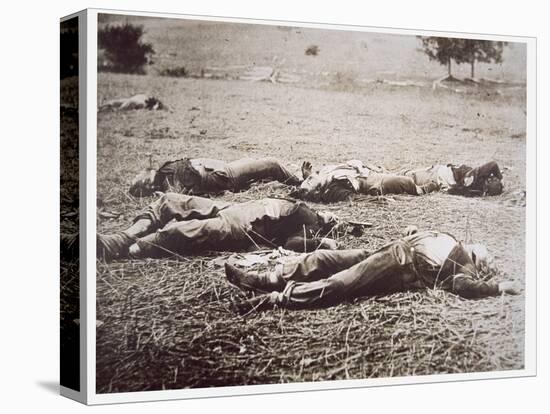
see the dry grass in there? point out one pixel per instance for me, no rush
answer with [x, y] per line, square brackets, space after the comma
[169, 324]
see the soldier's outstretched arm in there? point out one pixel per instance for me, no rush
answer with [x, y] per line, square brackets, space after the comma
[467, 287]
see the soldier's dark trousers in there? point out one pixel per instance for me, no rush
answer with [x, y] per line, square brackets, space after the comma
[326, 278]
[242, 172]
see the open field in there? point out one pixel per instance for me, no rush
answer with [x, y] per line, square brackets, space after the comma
[167, 324]
[362, 56]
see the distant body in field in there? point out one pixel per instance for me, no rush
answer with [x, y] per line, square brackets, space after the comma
[140, 101]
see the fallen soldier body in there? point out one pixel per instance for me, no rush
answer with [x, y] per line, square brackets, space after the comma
[208, 176]
[178, 224]
[427, 259]
[339, 182]
[140, 101]
[485, 180]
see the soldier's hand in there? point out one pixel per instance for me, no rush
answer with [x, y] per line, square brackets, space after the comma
[330, 244]
[134, 251]
[306, 169]
[410, 230]
[511, 288]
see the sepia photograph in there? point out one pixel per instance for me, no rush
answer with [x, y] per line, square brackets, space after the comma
[287, 204]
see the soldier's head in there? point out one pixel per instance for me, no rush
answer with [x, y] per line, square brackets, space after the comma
[313, 182]
[189, 175]
[153, 104]
[143, 183]
[492, 186]
[480, 256]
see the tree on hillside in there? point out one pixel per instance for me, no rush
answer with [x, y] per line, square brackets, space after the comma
[486, 51]
[444, 50]
[123, 48]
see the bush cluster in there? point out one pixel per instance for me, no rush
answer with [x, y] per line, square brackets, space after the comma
[123, 49]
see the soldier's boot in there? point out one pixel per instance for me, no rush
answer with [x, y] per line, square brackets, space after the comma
[254, 281]
[258, 303]
[113, 246]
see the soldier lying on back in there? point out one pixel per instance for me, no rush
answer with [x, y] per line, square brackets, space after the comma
[339, 182]
[181, 224]
[485, 180]
[208, 176]
[428, 259]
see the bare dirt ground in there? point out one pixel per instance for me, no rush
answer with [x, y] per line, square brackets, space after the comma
[168, 324]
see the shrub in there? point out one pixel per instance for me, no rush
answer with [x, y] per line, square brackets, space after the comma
[177, 72]
[123, 49]
[312, 50]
